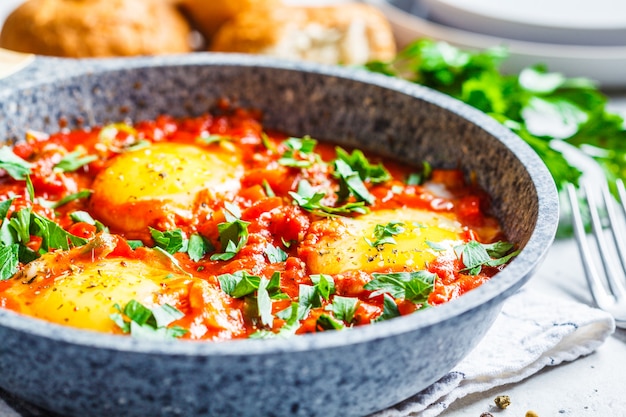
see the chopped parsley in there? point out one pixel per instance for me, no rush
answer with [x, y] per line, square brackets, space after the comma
[290, 316]
[233, 234]
[413, 286]
[359, 163]
[198, 246]
[310, 200]
[275, 254]
[390, 309]
[350, 183]
[475, 255]
[257, 289]
[9, 261]
[71, 197]
[24, 223]
[73, 161]
[344, 308]
[148, 323]
[383, 234]
[171, 241]
[299, 153]
[15, 166]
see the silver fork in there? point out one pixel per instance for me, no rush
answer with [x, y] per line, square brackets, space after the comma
[607, 282]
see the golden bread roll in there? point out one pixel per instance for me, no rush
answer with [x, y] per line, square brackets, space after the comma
[348, 34]
[96, 28]
[209, 15]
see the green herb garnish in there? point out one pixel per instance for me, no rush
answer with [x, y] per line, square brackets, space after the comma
[73, 161]
[299, 153]
[9, 261]
[413, 286]
[475, 255]
[151, 323]
[310, 200]
[171, 241]
[383, 234]
[71, 197]
[573, 109]
[198, 246]
[275, 254]
[15, 166]
[360, 164]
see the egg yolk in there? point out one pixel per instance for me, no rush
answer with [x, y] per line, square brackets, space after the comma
[162, 185]
[345, 244]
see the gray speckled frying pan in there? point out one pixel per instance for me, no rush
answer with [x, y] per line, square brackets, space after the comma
[347, 373]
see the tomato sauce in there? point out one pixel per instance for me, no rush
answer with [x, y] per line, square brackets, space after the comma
[269, 228]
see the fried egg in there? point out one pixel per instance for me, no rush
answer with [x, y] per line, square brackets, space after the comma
[345, 244]
[163, 183]
[61, 288]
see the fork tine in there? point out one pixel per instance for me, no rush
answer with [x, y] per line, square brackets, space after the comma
[615, 224]
[614, 277]
[594, 280]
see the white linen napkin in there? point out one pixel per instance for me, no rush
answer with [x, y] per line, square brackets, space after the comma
[532, 331]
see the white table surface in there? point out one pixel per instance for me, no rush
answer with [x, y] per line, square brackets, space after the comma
[591, 386]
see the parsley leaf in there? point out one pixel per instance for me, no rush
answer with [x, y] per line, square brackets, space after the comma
[242, 284]
[308, 297]
[475, 254]
[328, 322]
[390, 309]
[143, 322]
[171, 241]
[73, 161]
[418, 178]
[290, 315]
[350, 183]
[233, 237]
[20, 223]
[4, 208]
[9, 261]
[198, 247]
[54, 236]
[324, 285]
[83, 216]
[344, 308]
[299, 153]
[239, 284]
[310, 200]
[413, 286]
[264, 303]
[275, 254]
[71, 197]
[383, 234]
[15, 166]
[30, 189]
[359, 163]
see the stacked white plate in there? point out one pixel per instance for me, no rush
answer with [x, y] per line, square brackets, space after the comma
[576, 37]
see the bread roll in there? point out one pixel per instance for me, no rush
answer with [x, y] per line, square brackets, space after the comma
[96, 28]
[349, 34]
[209, 15]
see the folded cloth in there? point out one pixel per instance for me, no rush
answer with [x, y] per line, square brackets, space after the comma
[532, 331]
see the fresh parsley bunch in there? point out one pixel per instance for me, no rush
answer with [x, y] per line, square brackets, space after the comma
[540, 106]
